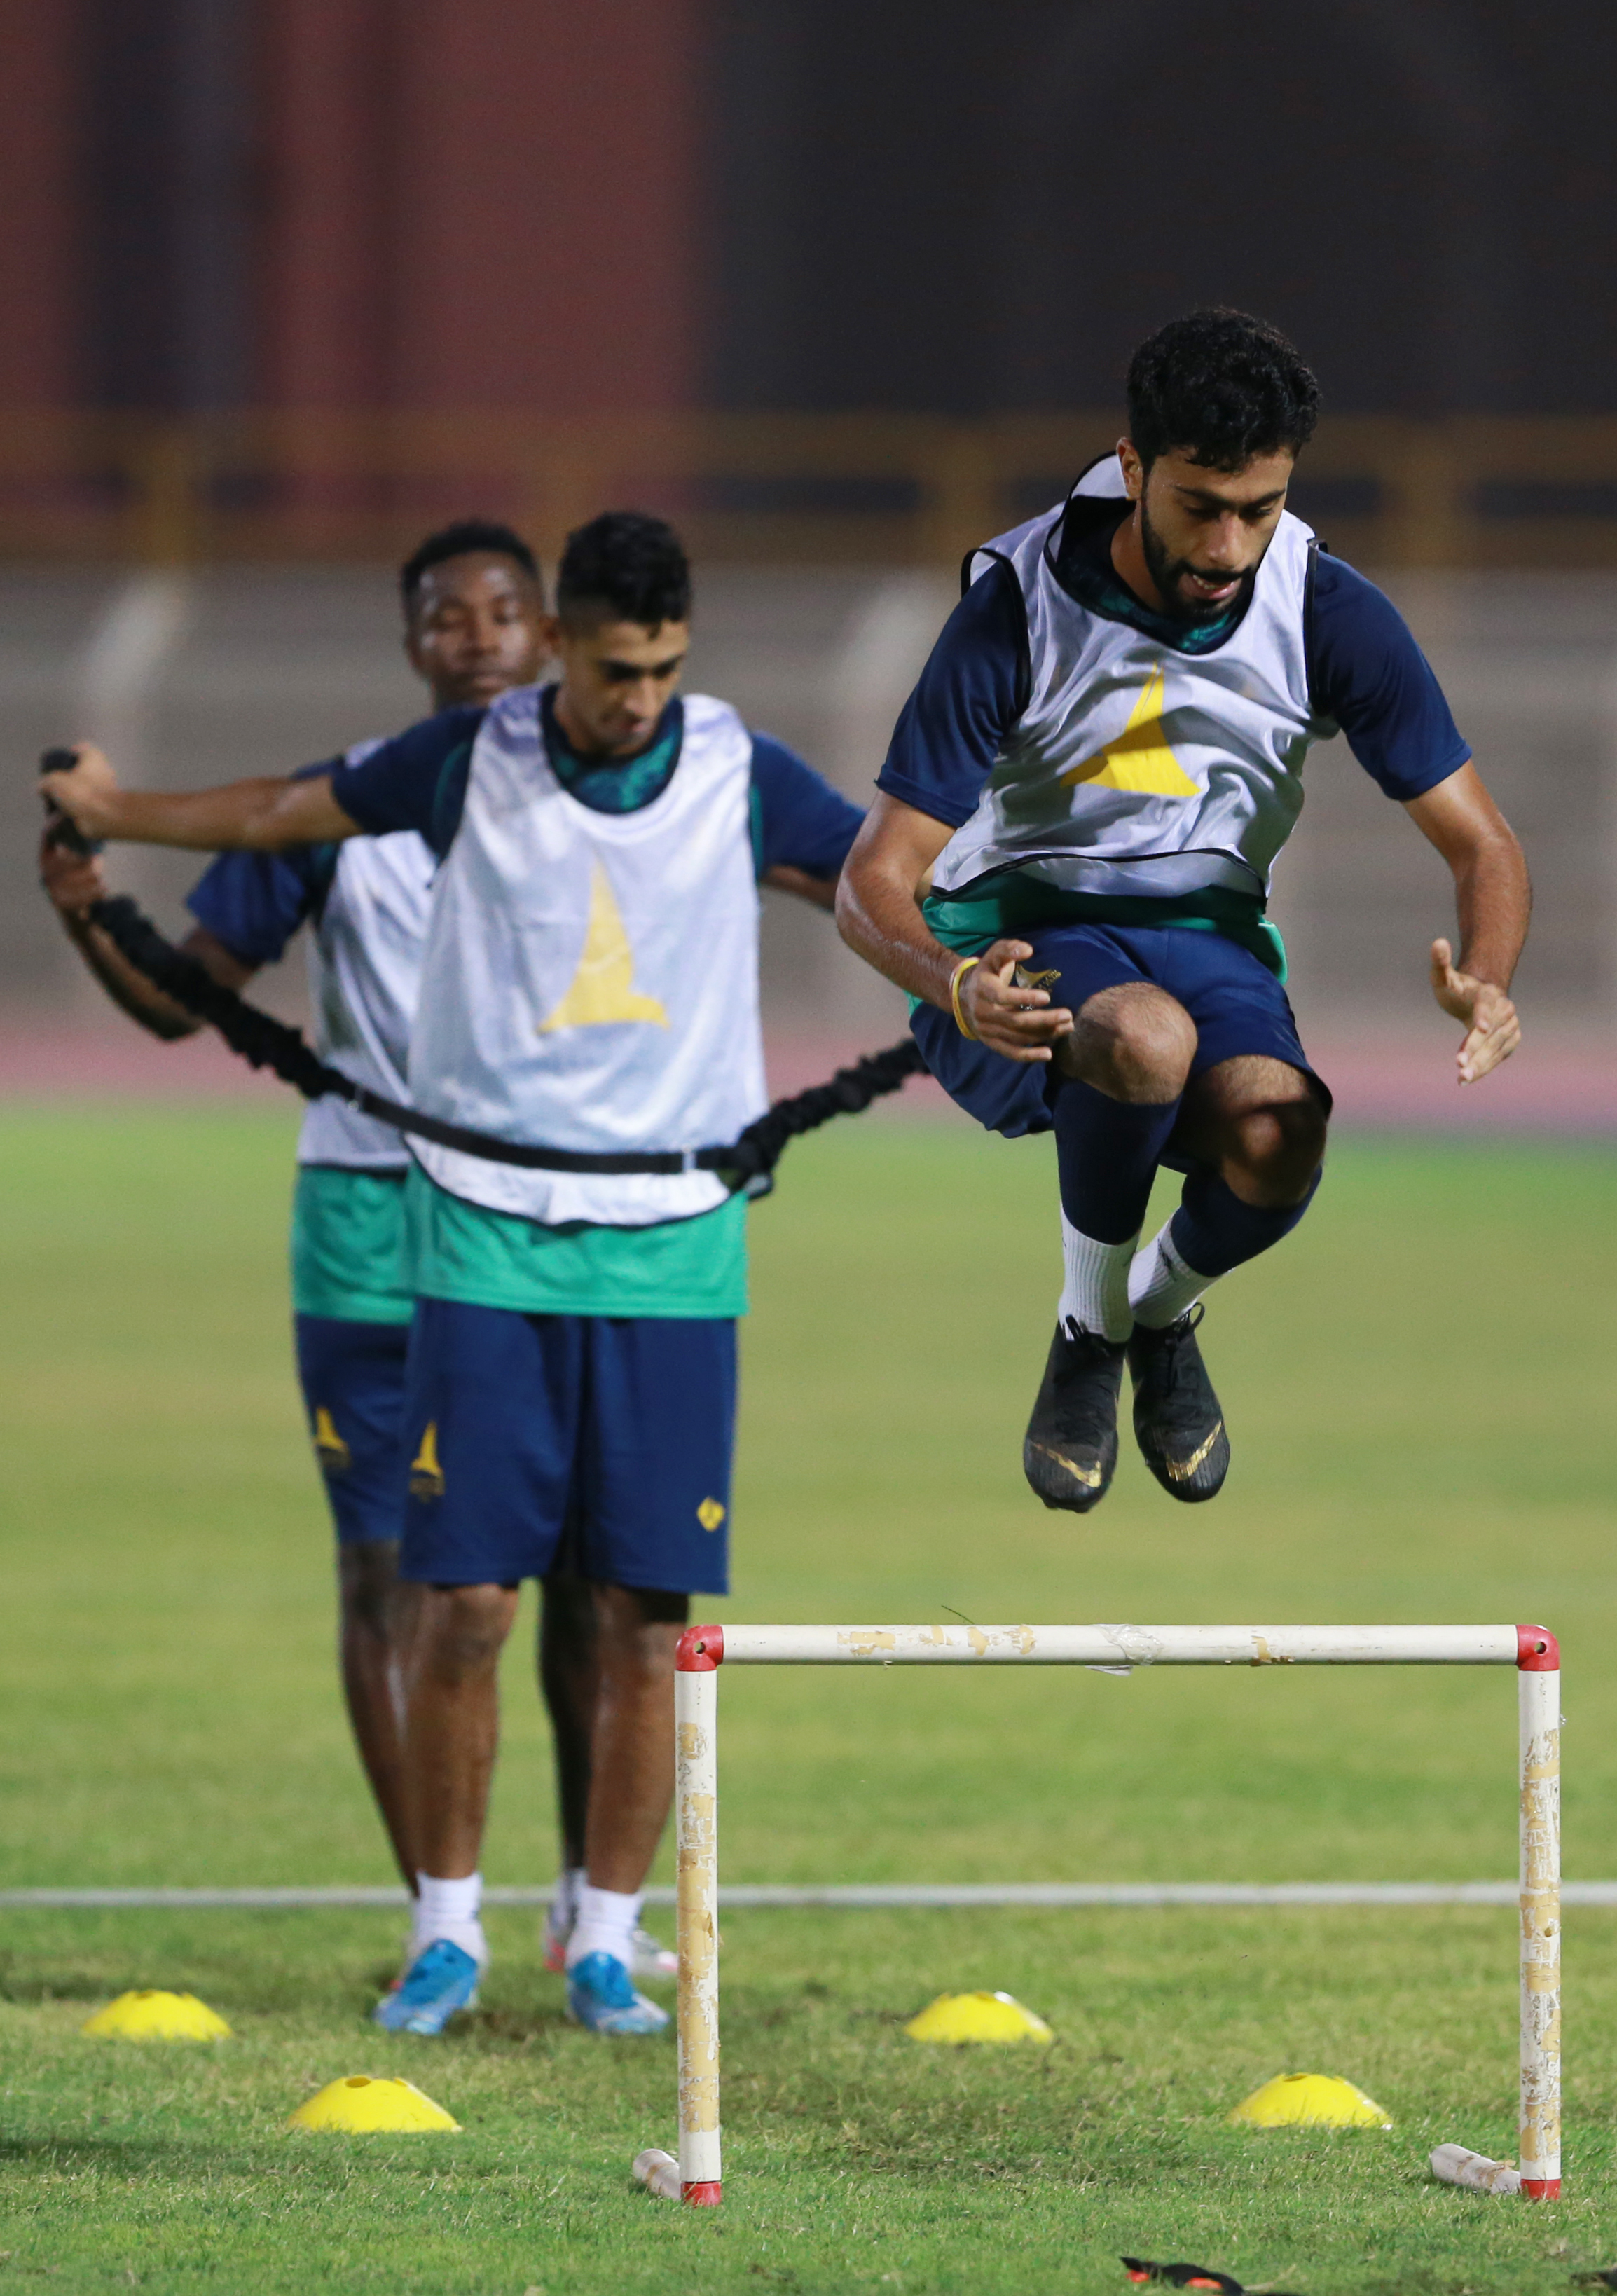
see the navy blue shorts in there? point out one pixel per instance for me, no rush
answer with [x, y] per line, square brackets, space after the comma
[601, 1443]
[1236, 1002]
[353, 1378]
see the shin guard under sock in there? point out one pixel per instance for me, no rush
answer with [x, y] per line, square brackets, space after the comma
[450, 1909]
[606, 1923]
[1106, 1157]
[1212, 1232]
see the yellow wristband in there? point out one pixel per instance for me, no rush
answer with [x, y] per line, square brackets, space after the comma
[955, 977]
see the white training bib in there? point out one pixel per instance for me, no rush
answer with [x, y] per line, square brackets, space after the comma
[591, 979]
[365, 957]
[1135, 769]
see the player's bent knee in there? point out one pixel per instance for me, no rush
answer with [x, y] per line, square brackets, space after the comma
[1303, 1127]
[1135, 1042]
[463, 1629]
[1281, 1147]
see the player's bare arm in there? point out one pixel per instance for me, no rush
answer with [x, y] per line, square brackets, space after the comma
[1494, 900]
[878, 912]
[257, 816]
[819, 892]
[74, 884]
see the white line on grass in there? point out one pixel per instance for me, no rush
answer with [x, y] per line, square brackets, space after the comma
[855, 1895]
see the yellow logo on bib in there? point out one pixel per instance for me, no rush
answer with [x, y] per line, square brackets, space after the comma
[1140, 759]
[330, 1449]
[603, 986]
[426, 1476]
[710, 1514]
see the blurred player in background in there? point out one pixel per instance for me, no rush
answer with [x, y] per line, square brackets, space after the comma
[589, 988]
[473, 610]
[1069, 862]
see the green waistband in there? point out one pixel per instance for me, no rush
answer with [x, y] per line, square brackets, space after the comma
[1015, 903]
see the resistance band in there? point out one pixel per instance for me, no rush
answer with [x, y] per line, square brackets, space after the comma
[266, 1043]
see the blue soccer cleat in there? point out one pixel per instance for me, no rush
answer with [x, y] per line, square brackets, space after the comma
[440, 1980]
[601, 1996]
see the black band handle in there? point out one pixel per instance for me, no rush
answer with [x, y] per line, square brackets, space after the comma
[62, 830]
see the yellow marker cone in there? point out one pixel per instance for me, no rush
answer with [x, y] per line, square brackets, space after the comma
[153, 2016]
[977, 2017]
[360, 2103]
[1310, 2101]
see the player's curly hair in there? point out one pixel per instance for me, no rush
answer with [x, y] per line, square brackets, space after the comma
[1221, 387]
[485, 536]
[632, 565]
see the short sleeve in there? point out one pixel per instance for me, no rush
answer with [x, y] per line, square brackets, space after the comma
[970, 695]
[1367, 675]
[798, 821]
[416, 781]
[254, 902]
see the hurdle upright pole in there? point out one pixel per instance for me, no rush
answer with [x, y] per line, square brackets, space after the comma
[696, 1835]
[1539, 1681]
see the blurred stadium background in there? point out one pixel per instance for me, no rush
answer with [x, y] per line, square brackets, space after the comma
[843, 289]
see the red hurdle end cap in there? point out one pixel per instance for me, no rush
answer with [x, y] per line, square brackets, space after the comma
[1534, 2188]
[701, 1650]
[708, 2196]
[1537, 1650]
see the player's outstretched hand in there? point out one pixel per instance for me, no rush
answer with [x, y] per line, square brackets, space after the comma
[73, 881]
[1492, 1031]
[85, 795]
[1021, 1023]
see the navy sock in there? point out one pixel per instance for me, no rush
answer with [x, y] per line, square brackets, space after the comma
[1213, 1231]
[1106, 1153]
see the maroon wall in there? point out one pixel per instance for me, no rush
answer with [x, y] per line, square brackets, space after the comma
[473, 204]
[419, 204]
[38, 136]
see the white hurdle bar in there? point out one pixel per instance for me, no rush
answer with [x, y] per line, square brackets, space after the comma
[1532, 1651]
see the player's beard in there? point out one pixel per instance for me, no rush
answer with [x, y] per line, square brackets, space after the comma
[1165, 572]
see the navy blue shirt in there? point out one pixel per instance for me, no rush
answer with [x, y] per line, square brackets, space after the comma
[254, 902]
[419, 781]
[1365, 672]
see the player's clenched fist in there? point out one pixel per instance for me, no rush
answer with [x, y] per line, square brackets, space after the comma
[74, 882]
[1011, 1018]
[85, 793]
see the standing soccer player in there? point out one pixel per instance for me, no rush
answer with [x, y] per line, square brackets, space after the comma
[590, 996]
[473, 610]
[1069, 861]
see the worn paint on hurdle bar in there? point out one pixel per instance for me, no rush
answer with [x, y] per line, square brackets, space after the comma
[703, 1650]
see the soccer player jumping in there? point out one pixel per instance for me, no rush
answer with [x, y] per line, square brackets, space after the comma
[1069, 857]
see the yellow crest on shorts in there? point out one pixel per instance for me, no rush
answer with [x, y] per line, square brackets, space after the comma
[710, 1514]
[330, 1449]
[426, 1476]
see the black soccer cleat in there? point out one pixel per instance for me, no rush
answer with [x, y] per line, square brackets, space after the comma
[1179, 1420]
[1071, 1447]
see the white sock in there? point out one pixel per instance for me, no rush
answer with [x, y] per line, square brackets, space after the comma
[1095, 1293]
[450, 1909]
[571, 1883]
[1161, 1285]
[606, 1923]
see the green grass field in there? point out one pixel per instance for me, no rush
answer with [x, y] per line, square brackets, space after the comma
[1419, 1392]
